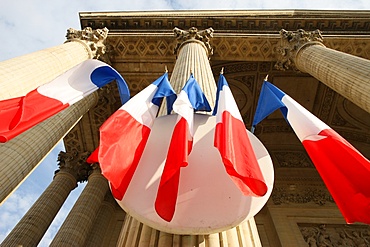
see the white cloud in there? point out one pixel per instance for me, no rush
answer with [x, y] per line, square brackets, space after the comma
[14, 209]
[41, 24]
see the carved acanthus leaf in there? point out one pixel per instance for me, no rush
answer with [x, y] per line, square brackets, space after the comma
[74, 163]
[193, 34]
[94, 39]
[291, 43]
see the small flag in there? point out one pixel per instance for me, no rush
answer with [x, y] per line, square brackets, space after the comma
[19, 114]
[190, 99]
[124, 135]
[344, 170]
[232, 141]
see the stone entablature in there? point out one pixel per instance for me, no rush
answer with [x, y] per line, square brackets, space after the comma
[159, 47]
[244, 21]
[238, 35]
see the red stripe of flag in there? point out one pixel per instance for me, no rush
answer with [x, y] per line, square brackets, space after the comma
[19, 114]
[232, 141]
[178, 151]
[345, 171]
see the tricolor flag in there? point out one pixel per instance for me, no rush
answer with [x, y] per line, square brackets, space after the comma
[19, 114]
[124, 135]
[232, 141]
[189, 100]
[344, 170]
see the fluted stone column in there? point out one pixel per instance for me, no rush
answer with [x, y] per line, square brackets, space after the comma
[23, 74]
[23, 153]
[32, 227]
[346, 74]
[193, 51]
[101, 224]
[79, 222]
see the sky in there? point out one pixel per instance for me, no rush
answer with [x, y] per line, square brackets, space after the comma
[30, 25]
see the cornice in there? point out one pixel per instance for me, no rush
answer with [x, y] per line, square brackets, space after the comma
[227, 13]
[240, 21]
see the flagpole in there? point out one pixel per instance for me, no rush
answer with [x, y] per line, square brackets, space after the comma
[193, 51]
[253, 127]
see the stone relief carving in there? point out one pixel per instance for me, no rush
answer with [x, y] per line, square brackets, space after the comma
[291, 42]
[72, 141]
[75, 163]
[328, 104]
[293, 159]
[292, 194]
[321, 235]
[193, 33]
[94, 39]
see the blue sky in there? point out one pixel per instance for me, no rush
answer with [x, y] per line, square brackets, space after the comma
[32, 25]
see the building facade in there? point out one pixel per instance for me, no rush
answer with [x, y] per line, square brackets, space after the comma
[319, 58]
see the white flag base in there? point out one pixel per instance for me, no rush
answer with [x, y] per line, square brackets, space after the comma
[208, 201]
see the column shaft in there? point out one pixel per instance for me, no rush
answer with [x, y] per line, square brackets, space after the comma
[346, 74]
[79, 222]
[32, 227]
[135, 233]
[20, 75]
[23, 153]
[101, 223]
[192, 57]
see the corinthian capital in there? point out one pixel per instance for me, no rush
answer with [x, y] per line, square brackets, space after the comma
[94, 39]
[74, 163]
[193, 35]
[292, 42]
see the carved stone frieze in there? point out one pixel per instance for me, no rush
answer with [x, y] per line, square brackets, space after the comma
[277, 126]
[291, 43]
[335, 235]
[245, 48]
[360, 48]
[149, 47]
[94, 39]
[249, 48]
[73, 141]
[294, 194]
[298, 159]
[328, 104]
[75, 163]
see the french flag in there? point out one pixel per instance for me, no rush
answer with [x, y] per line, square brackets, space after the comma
[344, 170]
[189, 100]
[19, 114]
[232, 141]
[124, 134]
